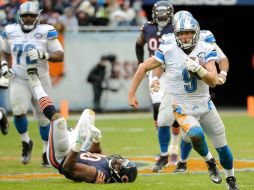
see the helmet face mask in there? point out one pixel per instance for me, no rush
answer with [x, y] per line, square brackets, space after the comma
[121, 169]
[162, 13]
[29, 16]
[187, 26]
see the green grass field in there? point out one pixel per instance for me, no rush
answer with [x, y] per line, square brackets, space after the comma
[131, 137]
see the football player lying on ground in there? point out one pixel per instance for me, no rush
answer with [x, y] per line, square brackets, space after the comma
[64, 152]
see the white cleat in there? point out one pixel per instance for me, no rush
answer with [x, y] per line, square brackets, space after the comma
[87, 116]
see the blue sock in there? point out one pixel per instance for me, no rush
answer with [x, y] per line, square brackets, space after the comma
[185, 149]
[226, 157]
[164, 137]
[197, 137]
[21, 124]
[44, 131]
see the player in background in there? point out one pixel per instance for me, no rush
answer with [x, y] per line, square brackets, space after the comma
[151, 32]
[25, 44]
[66, 150]
[187, 99]
[4, 125]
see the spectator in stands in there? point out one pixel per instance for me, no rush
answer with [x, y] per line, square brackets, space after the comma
[69, 20]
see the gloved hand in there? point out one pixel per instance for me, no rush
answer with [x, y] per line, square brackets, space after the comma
[6, 71]
[4, 82]
[155, 84]
[194, 66]
[96, 134]
[35, 54]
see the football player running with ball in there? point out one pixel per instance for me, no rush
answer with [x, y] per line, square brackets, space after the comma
[187, 99]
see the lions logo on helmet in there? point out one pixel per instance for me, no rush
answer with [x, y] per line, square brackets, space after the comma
[162, 13]
[187, 24]
[29, 16]
[179, 15]
[121, 169]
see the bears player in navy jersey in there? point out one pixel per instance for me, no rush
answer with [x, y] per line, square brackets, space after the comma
[77, 154]
[24, 44]
[151, 32]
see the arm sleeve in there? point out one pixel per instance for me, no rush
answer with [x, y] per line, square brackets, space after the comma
[139, 53]
[54, 45]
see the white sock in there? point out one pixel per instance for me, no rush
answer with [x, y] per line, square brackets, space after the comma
[174, 140]
[40, 93]
[164, 153]
[25, 137]
[45, 146]
[229, 173]
[208, 156]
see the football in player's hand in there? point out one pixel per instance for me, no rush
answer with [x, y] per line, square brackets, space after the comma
[194, 74]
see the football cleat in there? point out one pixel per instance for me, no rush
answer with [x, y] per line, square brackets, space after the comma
[214, 171]
[45, 162]
[33, 77]
[26, 151]
[4, 125]
[160, 164]
[181, 167]
[231, 183]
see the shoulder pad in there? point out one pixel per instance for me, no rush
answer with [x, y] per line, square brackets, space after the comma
[8, 29]
[168, 38]
[207, 36]
[48, 30]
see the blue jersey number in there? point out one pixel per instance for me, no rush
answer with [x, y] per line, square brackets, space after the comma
[20, 48]
[192, 82]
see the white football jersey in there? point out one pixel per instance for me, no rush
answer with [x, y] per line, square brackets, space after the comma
[17, 43]
[180, 84]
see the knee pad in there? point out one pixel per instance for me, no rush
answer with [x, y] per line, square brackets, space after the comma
[43, 121]
[19, 109]
[196, 135]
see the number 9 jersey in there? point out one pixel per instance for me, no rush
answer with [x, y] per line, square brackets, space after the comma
[18, 43]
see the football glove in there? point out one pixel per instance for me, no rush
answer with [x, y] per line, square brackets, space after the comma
[96, 134]
[6, 71]
[4, 83]
[194, 66]
[155, 84]
[35, 54]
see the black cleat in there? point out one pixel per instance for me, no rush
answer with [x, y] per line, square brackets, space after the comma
[26, 151]
[231, 182]
[181, 167]
[45, 162]
[214, 171]
[160, 164]
[4, 125]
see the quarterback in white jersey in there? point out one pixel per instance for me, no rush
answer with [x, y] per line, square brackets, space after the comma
[29, 44]
[190, 69]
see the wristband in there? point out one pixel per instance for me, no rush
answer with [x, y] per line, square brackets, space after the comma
[224, 73]
[155, 78]
[202, 72]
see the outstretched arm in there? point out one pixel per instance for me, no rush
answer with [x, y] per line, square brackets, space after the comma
[150, 64]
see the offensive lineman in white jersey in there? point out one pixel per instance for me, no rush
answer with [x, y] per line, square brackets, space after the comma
[188, 100]
[26, 44]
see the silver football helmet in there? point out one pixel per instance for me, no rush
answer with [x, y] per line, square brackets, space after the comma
[162, 13]
[32, 9]
[187, 24]
[179, 15]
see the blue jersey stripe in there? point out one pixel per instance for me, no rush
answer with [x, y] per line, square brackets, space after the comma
[4, 35]
[210, 39]
[211, 54]
[159, 55]
[52, 34]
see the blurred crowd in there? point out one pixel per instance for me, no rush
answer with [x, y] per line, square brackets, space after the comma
[68, 15]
